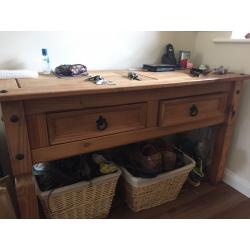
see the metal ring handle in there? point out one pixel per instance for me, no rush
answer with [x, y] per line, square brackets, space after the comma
[193, 110]
[101, 123]
[19, 156]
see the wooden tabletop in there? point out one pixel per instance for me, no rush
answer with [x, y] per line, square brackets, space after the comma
[52, 86]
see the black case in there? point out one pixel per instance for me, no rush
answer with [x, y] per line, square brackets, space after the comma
[159, 67]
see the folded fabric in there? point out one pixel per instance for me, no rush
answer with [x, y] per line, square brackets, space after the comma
[8, 74]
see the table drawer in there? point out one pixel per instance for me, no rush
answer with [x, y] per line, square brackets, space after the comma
[192, 109]
[82, 124]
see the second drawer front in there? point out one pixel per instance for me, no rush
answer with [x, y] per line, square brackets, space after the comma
[82, 124]
[192, 109]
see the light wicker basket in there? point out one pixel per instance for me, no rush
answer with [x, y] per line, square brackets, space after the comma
[144, 193]
[82, 200]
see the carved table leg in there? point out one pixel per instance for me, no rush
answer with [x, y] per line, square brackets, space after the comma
[20, 157]
[224, 135]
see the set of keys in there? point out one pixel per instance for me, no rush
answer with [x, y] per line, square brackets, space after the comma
[133, 76]
[99, 80]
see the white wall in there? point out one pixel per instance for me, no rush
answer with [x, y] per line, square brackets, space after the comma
[97, 50]
[237, 58]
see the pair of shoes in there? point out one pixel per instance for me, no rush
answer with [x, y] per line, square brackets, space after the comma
[197, 174]
[193, 182]
[198, 151]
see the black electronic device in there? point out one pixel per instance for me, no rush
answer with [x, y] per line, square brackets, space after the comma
[159, 67]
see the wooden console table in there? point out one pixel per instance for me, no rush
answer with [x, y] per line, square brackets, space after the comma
[50, 118]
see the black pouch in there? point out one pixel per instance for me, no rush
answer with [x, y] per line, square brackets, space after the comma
[69, 70]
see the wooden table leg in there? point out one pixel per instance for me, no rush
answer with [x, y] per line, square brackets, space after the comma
[20, 158]
[224, 135]
[222, 145]
[26, 197]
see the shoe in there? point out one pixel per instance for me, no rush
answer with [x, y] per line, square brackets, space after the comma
[106, 167]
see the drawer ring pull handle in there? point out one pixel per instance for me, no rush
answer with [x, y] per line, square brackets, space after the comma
[19, 156]
[194, 110]
[101, 123]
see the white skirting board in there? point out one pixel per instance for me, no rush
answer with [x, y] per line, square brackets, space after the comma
[237, 182]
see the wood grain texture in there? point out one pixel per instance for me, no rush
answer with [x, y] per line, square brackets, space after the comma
[18, 144]
[26, 197]
[6, 207]
[8, 183]
[104, 142]
[234, 102]
[176, 112]
[82, 124]
[222, 145]
[7, 199]
[99, 100]
[152, 113]
[37, 130]
[54, 87]
[17, 137]
[6, 84]
[224, 134]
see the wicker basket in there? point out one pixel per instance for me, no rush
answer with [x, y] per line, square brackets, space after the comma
[142, 193]
[82, 200]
